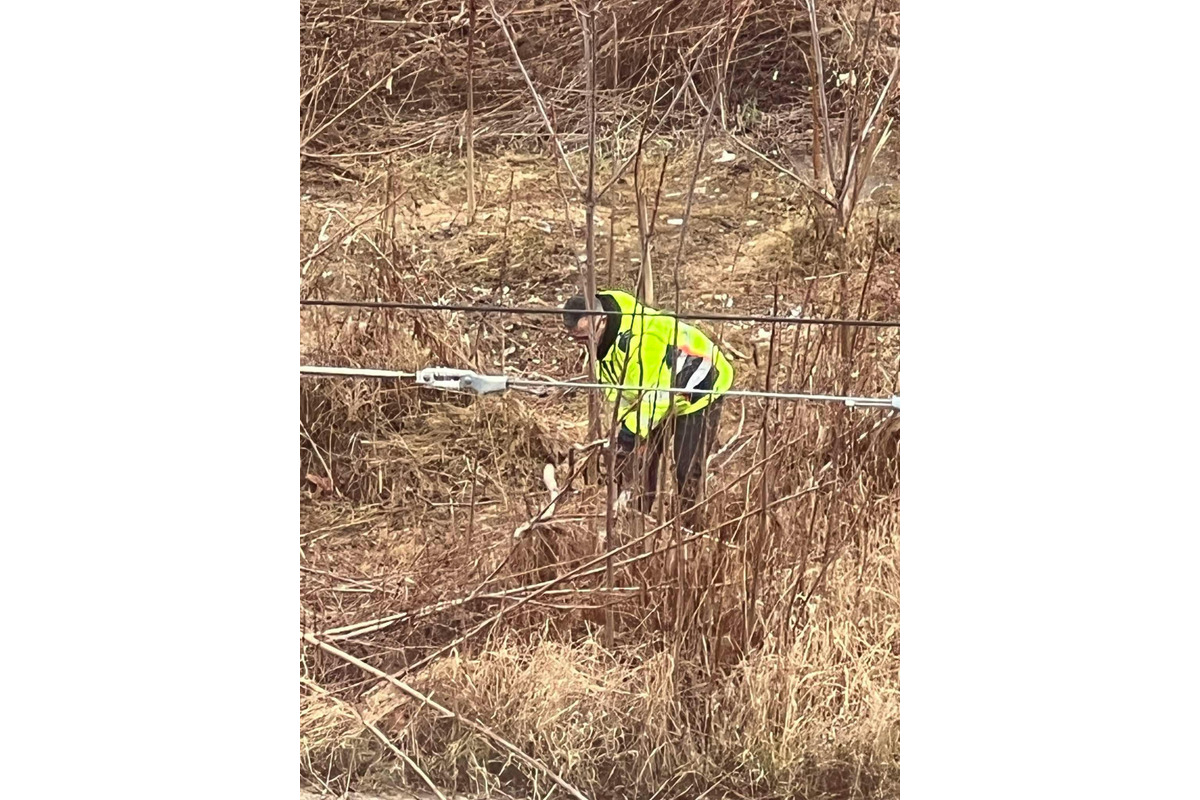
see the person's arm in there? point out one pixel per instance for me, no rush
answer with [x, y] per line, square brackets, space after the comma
[648, 372]
[637, 418]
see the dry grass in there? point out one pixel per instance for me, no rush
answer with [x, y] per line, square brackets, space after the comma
[758, 657]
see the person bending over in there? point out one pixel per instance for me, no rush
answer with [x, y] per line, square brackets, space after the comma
[639, 351]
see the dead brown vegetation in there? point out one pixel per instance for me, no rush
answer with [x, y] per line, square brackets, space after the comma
[757, 657]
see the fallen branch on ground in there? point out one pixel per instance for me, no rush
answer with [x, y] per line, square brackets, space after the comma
[478, 727]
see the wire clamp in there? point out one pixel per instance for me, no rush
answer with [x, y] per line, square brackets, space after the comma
[461, 380]
[873, 402]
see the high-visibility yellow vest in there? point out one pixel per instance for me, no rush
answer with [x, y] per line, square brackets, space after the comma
[654, 350]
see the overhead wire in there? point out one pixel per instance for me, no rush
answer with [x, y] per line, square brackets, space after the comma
[551, 310]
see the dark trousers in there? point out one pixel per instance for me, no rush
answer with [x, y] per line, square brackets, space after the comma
[693, 438]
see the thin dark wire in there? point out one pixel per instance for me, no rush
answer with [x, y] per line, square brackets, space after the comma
[483, 309]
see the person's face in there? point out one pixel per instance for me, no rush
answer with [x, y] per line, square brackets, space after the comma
[584, 328]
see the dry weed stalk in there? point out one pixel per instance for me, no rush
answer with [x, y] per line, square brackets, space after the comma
[470, 121]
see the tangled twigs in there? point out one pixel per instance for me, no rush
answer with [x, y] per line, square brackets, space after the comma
[380, 735]
[387, 76]
[537, 98]
[474, 725]
[599, 565]
[336, 240]
[535, 590]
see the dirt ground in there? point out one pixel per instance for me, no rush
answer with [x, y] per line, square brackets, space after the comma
[745, 231]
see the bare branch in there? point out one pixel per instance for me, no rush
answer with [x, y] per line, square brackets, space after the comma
[822, 99]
